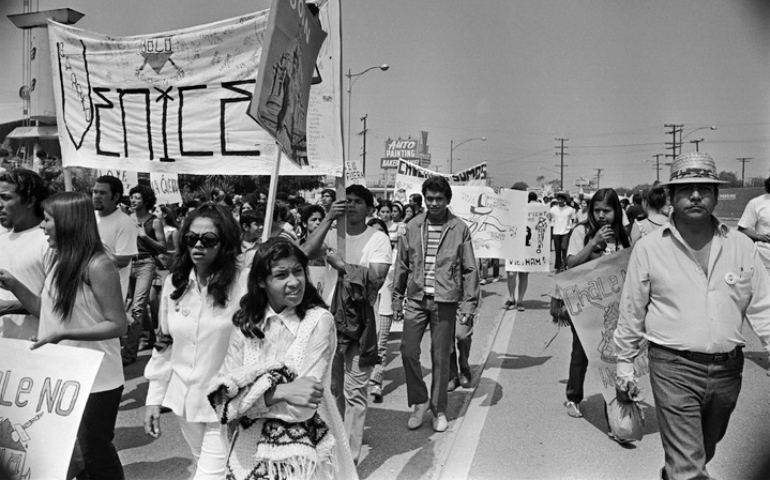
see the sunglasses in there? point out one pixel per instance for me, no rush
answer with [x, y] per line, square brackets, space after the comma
[208, 239]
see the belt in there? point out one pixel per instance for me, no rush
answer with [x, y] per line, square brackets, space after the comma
[702, 357]
[142, 256]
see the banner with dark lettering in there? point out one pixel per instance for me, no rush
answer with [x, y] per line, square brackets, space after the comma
[43, 394]
[176, 102]
[409, 178]
[591, 293]
[166, 188]
[533, 253]
[293, 39]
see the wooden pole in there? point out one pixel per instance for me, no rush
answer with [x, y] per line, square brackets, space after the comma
[272, 192]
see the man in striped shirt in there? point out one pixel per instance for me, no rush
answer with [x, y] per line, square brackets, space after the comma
[436, 282]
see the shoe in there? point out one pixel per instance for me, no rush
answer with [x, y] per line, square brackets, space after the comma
[128, 361]
[483, 281]
[416, 418]
[439, 423]
[520, 307]
[509, 304]
[452, 385]
[573, 409]
[465, 382]
[376, 393]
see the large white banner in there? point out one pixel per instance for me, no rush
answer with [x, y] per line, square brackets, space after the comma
[176, 102]
[533, 253]
[42, 397]
[409, 178]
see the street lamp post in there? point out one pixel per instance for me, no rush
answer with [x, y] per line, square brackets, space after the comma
[696, 142]
[352, 77]
[452, 147]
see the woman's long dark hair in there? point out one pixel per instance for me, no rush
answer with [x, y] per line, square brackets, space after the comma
[253, 305]
[225, 264]
[610, 197]
[77, 243]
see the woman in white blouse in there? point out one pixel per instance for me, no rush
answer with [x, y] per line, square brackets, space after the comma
[199, 298]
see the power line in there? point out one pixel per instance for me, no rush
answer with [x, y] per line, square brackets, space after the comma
[744, 161]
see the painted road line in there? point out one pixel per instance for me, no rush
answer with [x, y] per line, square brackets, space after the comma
[467, 429]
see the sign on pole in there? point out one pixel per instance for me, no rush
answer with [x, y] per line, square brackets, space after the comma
[533, 254]
[43, 394]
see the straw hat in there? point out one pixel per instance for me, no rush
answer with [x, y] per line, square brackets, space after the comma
[693, 167]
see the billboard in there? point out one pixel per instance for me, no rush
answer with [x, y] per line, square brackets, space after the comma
[412, 150]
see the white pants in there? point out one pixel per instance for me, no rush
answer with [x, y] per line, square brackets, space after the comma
[209, 448]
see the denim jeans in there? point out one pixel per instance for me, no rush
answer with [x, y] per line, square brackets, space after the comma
[560, 243]
[95, 434]
[350, 383]
[693, 403]
[142, 274]
[383, 332]
[441, 318]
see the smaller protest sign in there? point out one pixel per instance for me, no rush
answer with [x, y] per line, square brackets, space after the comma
[43, 394]
[324, 279]
[129, 179]
[166, 188]
[534, 254]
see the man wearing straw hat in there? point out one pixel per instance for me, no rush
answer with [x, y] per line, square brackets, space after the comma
[690, 285]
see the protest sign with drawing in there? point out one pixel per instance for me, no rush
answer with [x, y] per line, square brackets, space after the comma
[324, 279]
[287, 62]
[591, 293]
[43, 394]
[533, 255]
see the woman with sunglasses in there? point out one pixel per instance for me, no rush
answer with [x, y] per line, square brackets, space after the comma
[200, 296]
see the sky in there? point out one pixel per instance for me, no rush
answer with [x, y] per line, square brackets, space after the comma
[606, 75]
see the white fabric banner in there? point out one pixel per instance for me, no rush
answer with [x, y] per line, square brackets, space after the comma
[176, 102]
[42, 397]
[533, 254]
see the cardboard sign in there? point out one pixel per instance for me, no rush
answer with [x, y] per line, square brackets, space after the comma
[591, 293]
[325, 281]
[129, 179]
[534, 254]
[166, 188]
[287, 62]
[176, 102]
[43, 394]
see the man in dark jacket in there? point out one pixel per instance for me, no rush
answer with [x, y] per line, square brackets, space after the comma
[437, 275]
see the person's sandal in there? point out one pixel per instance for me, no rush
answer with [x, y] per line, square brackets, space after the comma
[573, 410]
[509, 305]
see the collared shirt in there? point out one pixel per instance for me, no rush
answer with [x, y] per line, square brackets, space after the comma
[180, 375]
[756, 216]
[669, 300]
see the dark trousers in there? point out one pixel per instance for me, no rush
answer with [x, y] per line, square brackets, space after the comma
[441, 318]
[95, 434]
[693, 403]
[561, 243]
[578, 366]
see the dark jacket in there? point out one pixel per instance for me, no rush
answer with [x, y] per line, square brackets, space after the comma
[353, 309]
[457, 275]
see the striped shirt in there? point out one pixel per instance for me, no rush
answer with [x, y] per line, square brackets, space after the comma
[431, 250]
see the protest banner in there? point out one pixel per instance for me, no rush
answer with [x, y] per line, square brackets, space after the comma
[43, 394]
[354, 175]
[496, 220]
[176, 102]
[409, 178]
[324, 279]
[166, 188]
[287, 62]
[591, 293]
[534, 253]
[129, 179]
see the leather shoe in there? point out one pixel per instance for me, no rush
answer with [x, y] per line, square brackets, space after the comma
[440, 423]
[465, 382]
[417, 416]
[452, 385]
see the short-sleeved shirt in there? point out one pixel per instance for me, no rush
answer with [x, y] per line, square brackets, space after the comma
[561, 219]
[577, 242]
[119, 233]
[756, 216]
[371, 246]
[26, 255]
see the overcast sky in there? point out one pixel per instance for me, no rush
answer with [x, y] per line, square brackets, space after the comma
[605, 74]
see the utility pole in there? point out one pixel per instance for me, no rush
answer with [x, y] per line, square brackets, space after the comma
[598, 178]
[561, 154]
[697, 142]
[674, 143]
[363, 154]
[657, 166]
[743, 161]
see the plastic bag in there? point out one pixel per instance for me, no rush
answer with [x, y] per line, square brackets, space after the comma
[626, 421]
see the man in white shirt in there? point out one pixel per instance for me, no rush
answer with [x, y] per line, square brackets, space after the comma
[356, 353]
[755, 223]
[24, 251]
[116, 229]
[562, 216]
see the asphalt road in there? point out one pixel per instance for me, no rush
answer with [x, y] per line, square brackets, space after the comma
[511, 425]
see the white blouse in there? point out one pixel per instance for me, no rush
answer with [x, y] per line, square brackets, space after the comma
[179, 376]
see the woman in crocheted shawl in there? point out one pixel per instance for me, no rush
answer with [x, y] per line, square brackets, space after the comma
[273, 390]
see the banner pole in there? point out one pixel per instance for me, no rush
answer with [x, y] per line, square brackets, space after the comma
[67, 179]
[272, 192]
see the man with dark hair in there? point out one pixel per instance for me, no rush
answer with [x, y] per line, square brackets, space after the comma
[755, 223]
[416, 199]
[689, 288]
[635, 210]
[150, 242]
[328, 196]
[24, 251]
[436, 273]
[562, 216]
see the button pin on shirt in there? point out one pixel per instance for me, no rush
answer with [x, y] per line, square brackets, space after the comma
[731, 278]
